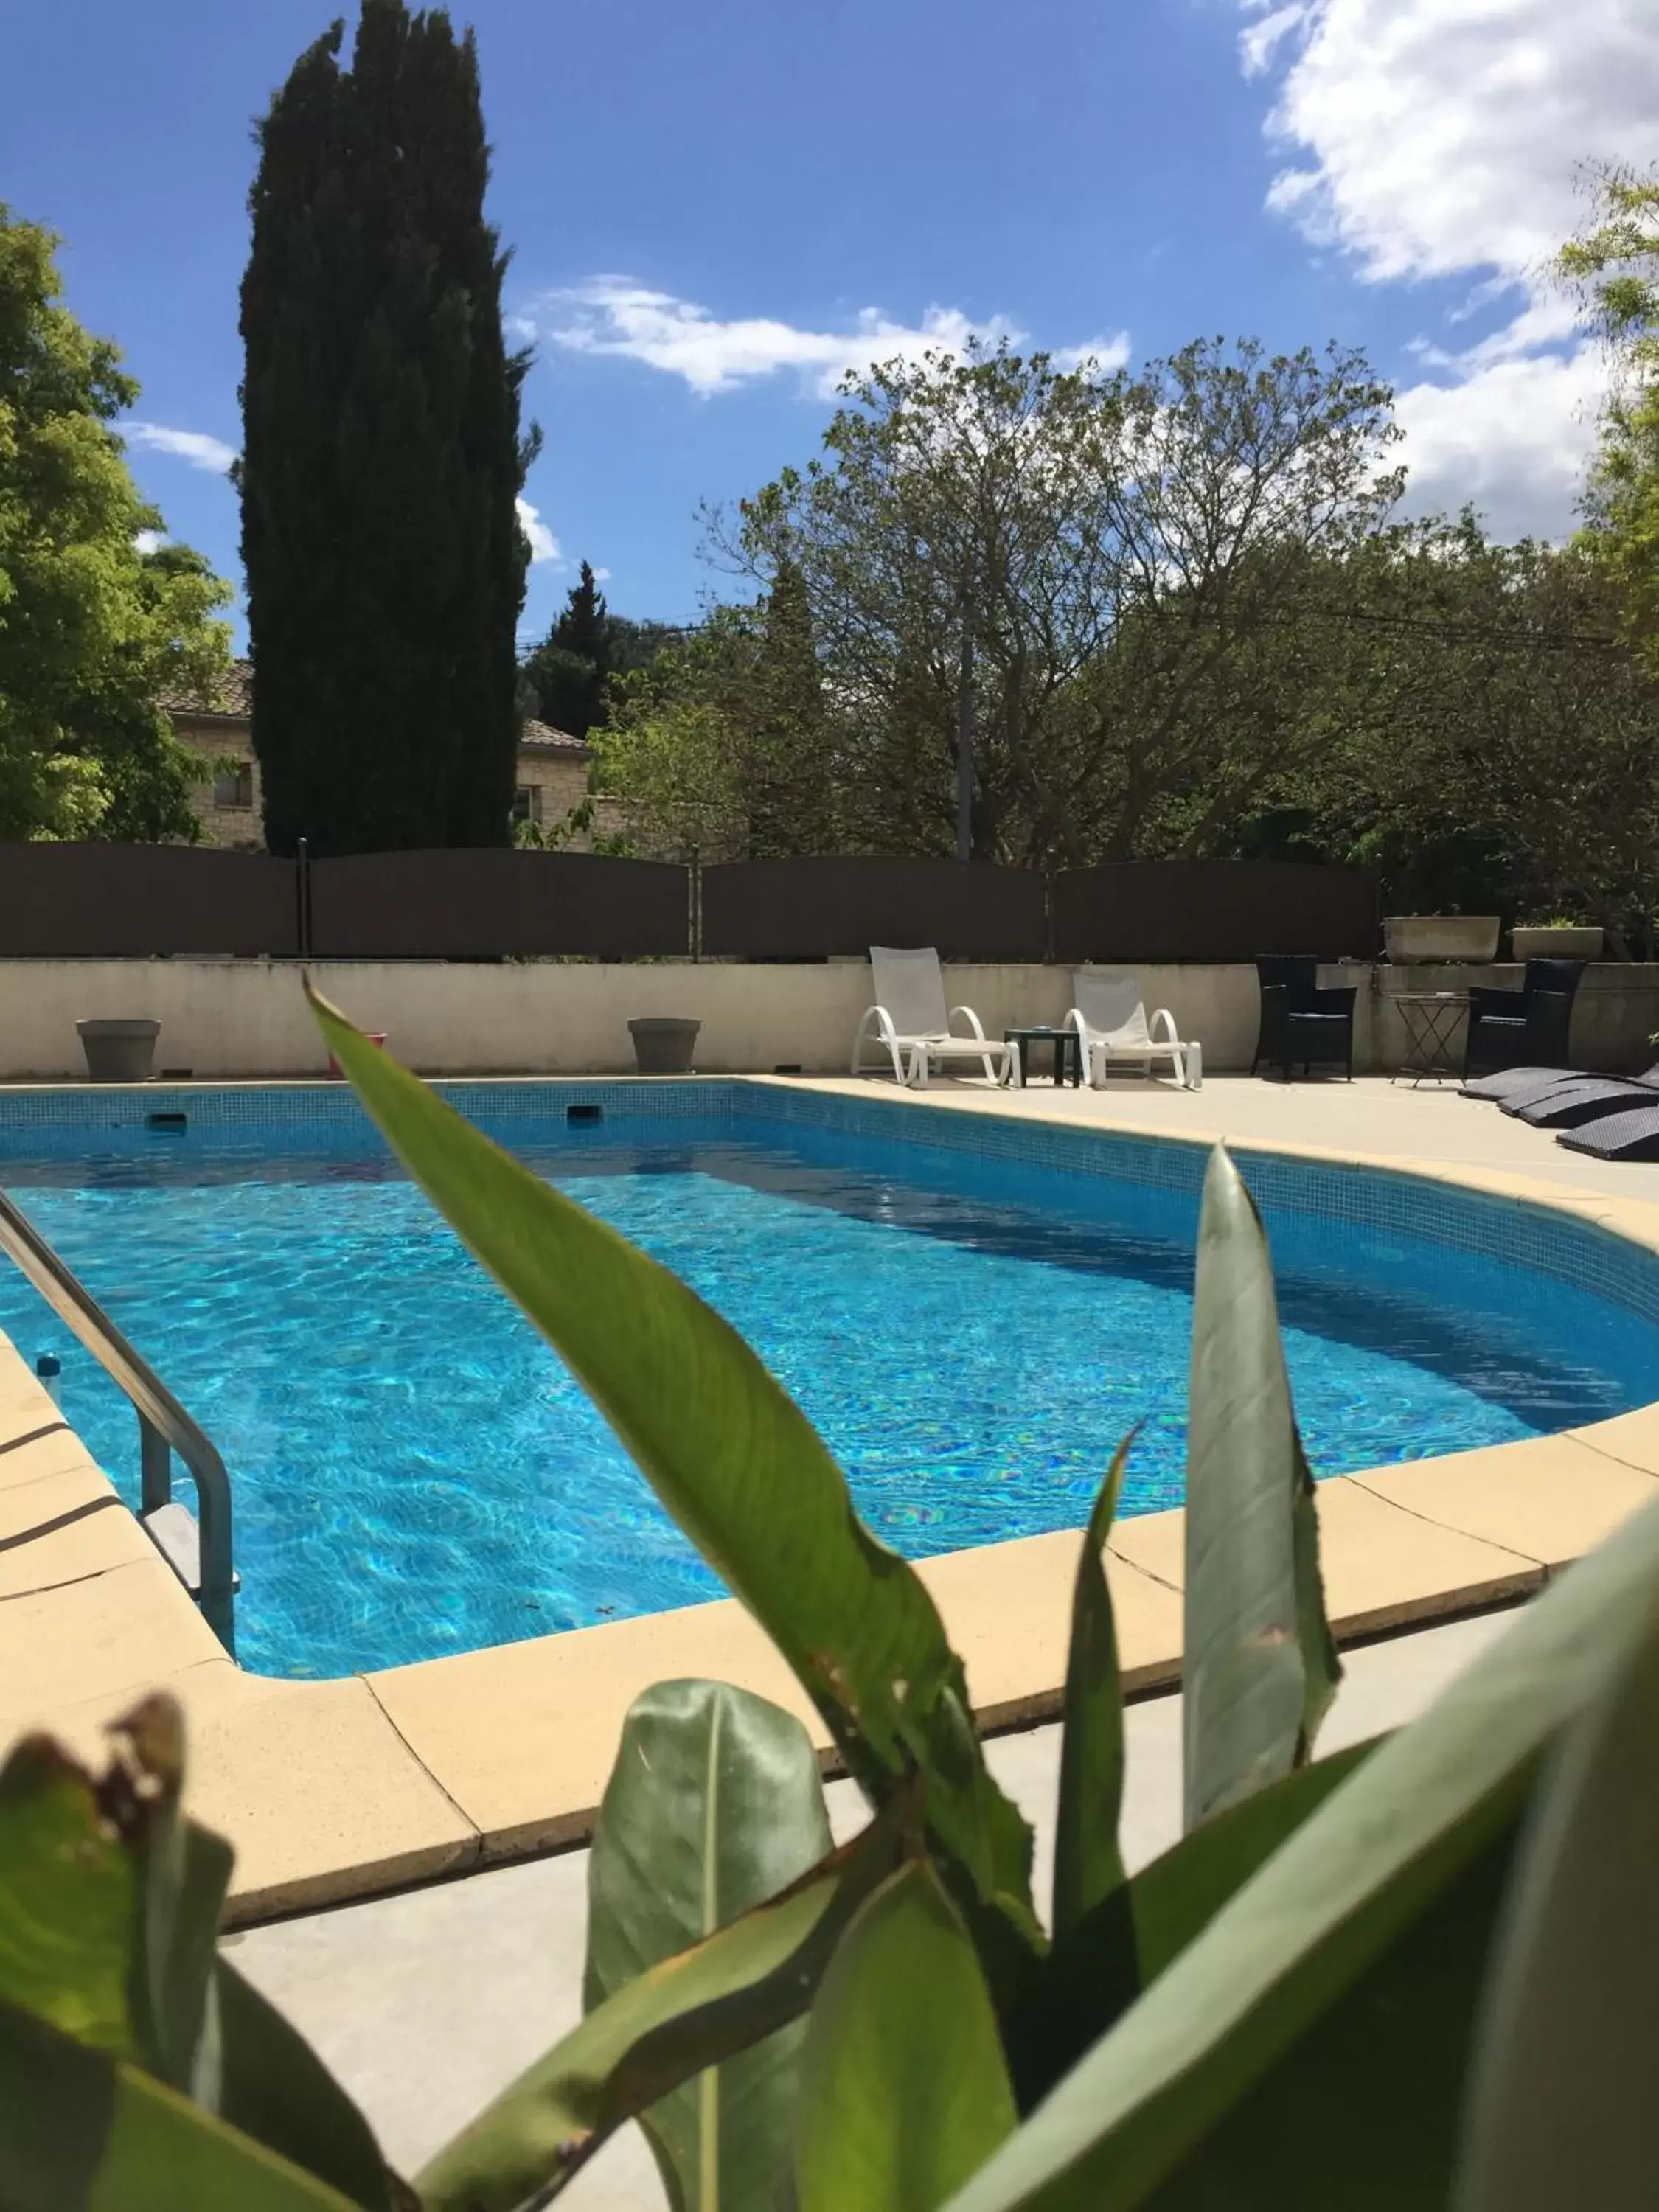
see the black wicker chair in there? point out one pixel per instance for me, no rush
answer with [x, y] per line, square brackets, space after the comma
[1526, 1028]
[1302, 1025]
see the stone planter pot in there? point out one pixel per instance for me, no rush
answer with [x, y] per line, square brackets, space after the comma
[1417, 938]
[120, 1052]
[663, 1043]
[1568, 943]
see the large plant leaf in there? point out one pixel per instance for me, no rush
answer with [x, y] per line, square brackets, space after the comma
[81, 2130]
[1176, 1896]
[109, 1908]
[1088, 1865]
[733, 1460]
[1091, 1971]
[1564, 2111]
[904, 2089]
[725, 1995]
[1362, 2110]
[184, 1873]
[69, 1899]
[1372, 1862]
[1259, 1667]
[714, 1804]
[272, 2085]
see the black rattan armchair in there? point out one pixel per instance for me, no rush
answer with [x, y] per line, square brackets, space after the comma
[1526, 1028]
[1302, 1024]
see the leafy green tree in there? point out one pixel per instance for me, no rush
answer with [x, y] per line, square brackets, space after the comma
[1476, 724]
[673, 748]
[1616, 265]
[723, 742]
[568, 679]
[382, 451]
[564, 678]
[93, 630]
[1043, 592]
[635, 644]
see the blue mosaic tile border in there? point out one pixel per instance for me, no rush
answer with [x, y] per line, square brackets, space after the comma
[241, 1119]
[330, 1108]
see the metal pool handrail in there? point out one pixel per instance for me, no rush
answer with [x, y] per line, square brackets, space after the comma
[164, 1427]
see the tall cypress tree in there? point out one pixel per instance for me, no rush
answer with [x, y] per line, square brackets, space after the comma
[568, 670]
[382, 455]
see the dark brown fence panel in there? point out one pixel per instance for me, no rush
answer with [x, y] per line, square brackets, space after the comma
[1213, 910]
[132, 902]
[482, 904]
[807, 909]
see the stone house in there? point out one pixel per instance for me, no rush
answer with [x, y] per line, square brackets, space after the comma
[552, 775]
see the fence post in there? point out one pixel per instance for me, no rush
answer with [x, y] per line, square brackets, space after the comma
[1048, 916]
[302, 892]
[694, 899]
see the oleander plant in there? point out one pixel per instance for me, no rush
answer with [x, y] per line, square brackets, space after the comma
[1420, 1972]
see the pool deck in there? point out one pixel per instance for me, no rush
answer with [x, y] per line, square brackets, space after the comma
[346, 1788]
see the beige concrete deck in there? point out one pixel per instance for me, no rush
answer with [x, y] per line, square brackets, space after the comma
[337, 1790]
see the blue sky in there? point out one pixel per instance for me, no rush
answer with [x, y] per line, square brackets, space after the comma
[714, 209]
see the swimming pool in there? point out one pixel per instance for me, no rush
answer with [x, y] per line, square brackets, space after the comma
[972, 1309]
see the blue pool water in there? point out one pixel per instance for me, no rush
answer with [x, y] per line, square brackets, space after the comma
[416, 1474]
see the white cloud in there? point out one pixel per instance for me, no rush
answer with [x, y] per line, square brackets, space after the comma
[1440, 135]
[544, 546]
[614, 315]
[602, 576]
[1260, 42]
[1512, 438]
[148, 541]
[196, 447]
[1107, 353]
[1430, 139]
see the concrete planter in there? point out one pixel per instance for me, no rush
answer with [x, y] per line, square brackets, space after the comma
[663, 1043]
[1566, 943]
[120, 1052]
[1417, 938]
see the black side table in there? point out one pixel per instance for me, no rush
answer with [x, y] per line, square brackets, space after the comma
[1064, 1044]
[1431, 1020]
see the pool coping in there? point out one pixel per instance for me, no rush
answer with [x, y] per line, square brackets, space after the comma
[344, 1789]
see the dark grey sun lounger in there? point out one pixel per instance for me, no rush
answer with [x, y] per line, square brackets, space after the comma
[1631, 1135]
[1515, 1082]
[1513, 1086]
[1569, 1105]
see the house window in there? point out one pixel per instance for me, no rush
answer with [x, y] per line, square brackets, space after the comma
[526, 804]
[234, 787]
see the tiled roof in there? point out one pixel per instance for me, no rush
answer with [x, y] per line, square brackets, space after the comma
[542, 737]
[231, 700]
[231, 697]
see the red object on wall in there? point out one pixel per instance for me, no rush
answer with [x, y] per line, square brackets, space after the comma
[337, 1073]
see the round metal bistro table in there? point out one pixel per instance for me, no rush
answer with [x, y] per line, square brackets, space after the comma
[1433, 1054]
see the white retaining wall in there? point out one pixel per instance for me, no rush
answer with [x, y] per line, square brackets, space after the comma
[243, 1018]
[248, 1018]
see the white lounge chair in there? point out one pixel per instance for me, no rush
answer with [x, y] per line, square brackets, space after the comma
[908, 1018]
[1109, 1016]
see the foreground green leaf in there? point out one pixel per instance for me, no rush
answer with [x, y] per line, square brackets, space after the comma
[1088, 1865]
[1563, 2107]
[904, 2089]
[734, 1461]
[1176, 1896]
[714, 1805]
[83, 2131]
[69, 1899]
[1259, 1667]
[754, 1976]
[1091, 1973]
[1423, 1811]
[109, 1908]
